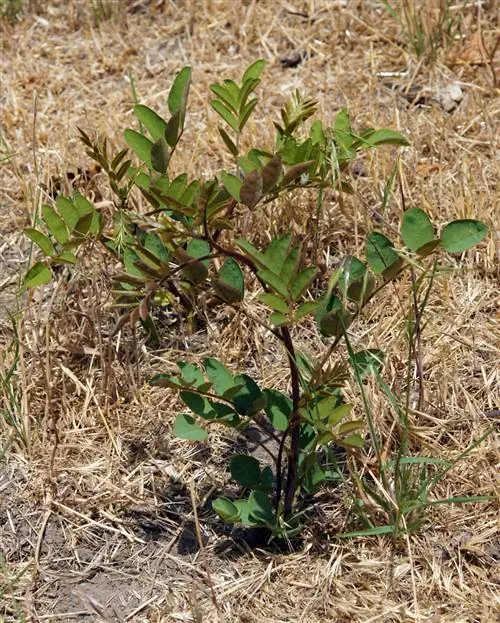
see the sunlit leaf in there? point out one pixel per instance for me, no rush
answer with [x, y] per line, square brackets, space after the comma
[460, 235]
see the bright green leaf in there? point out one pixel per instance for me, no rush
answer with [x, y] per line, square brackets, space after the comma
[274, 302]
[140, 145]
[37, 275]
[153, 123]
[460, 235]
[41, 240]
[301, 282]
[232, 184]
[226, 510]
[55, 224]
[185, 427]
[416, 229]
[278, 408]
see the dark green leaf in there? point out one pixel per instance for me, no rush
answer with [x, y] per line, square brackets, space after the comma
[41, 240]
[416, 229]
[245, 470]
[160, 155]
[277, 252]
[198, 404]
[178, 96]
[380, 253]
[155, 246]
[172, 129]
[460, 235]
[261, 508]
[249, 399]
[185, 427]
[228, 142]
[231, 275]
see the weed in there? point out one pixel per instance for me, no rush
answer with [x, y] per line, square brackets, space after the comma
[186, 249]
[425, 28]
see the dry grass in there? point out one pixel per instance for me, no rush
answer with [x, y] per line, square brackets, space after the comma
[97, 513]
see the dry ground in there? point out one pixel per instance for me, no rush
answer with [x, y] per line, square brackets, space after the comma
[101, 526]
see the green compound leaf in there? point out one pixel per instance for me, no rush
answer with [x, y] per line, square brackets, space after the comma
[185, 427]
[416, 229]
[460, 235]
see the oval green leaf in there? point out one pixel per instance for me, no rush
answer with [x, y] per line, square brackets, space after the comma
[460, 235]
[416, 229]
[185, 427]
